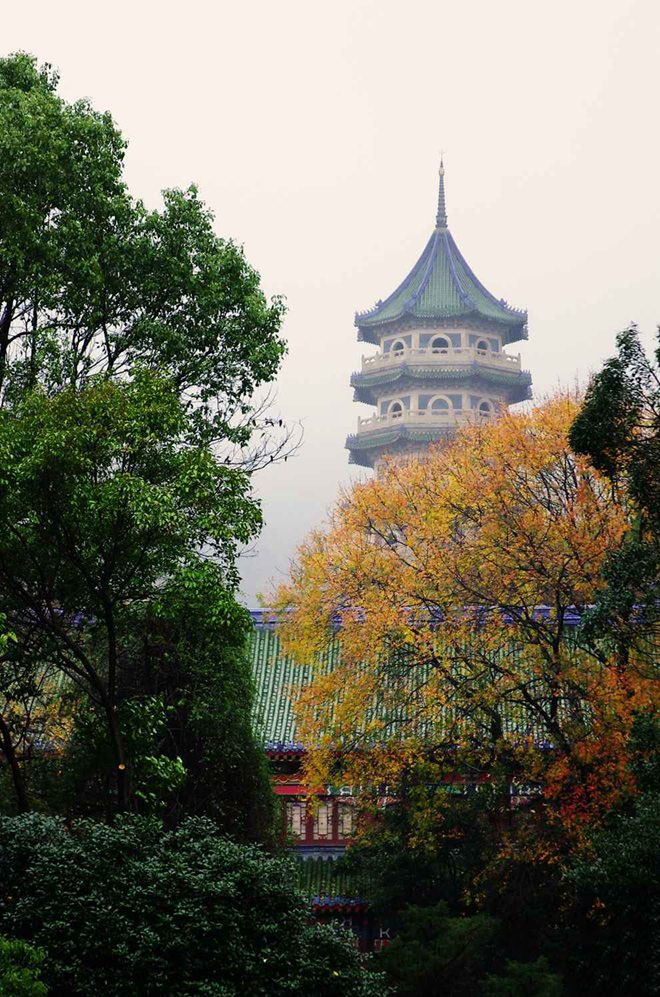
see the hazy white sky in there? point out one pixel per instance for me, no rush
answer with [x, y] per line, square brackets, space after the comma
[313, 130]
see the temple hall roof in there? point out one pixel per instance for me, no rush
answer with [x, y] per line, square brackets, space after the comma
[441, 286]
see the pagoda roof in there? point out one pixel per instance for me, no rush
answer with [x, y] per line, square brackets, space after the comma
[364, 448]
[441, 286]
[516, 384]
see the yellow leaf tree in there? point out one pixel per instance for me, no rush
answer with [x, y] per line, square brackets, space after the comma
[454, 585]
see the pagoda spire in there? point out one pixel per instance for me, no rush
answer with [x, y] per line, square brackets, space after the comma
[441, 217]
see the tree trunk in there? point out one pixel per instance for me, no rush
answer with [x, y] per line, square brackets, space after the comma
[121, 770]
[12, 761]
[111, 711]
[5, 329]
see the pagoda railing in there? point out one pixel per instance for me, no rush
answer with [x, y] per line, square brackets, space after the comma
[454, 355]
[425, 417]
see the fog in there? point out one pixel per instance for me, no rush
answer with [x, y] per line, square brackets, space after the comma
[314, 132]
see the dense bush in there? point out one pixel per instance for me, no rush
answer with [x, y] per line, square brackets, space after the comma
[523, 979]
[614, 932]
[127, 909]
[435, 953]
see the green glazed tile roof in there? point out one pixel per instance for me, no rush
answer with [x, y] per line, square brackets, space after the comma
[515, 383]
[323, 877]
[277, 679]
[364, 448]
[442, 285]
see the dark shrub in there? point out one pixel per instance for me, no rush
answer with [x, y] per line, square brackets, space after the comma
[129, 909]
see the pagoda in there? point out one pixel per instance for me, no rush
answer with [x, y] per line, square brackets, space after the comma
[440, 362]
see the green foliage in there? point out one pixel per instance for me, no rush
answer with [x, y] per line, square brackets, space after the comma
[82, 769]
[155, 776]
[618, 428]
[435, 953]
[645, 752]
[109, 495]
[131, 344]
[186, 717]
[60, 192]
[183, 912]
[523, 979]
[92, 281]
[429, 846]
[614, 926]
[197, 661]
[20, 969]
[100, 499]
[614, 923]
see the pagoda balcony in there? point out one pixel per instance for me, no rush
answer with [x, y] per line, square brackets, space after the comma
[431, 418]
[458, 356]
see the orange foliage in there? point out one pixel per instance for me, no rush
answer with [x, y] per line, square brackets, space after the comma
[454, 580]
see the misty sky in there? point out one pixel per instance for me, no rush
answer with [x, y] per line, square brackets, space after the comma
[314, 130]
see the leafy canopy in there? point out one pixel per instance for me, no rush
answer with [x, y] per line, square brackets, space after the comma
[91, 281]
[618, 428]
[454, 581]
[132, 342]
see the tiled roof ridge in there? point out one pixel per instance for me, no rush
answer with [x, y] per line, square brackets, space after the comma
[573, 614]
[519, 312]
[442, 257]
[380, 305]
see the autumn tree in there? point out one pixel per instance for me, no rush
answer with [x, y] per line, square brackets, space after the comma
[454, 584]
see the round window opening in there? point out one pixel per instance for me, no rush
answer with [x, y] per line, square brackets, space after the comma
[440, 405]
[440, 345]
[485, 409]
[396, 410]
[397, 348]
[482, 346]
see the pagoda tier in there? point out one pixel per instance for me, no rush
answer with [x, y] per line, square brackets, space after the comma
[440, 364]
[417, 367]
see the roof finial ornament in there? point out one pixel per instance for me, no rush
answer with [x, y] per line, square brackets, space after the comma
[441, 217]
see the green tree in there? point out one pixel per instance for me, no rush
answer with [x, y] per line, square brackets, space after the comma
[197, 663]
[126, 908]
[132, 342]
[618, 428]
[99, 501]
[614, 927]
[435, 953]
[20, 966]
[91, 281]
[523, 979]
[60, 186]
[430, 844]
[611, 929]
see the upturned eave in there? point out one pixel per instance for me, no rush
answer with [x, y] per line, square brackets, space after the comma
[516, 385]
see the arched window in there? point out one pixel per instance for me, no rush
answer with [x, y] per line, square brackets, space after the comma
[440, 345]
[395, 410]
[440, 405]
[482, 346]
[397, 347]
[485, 408]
